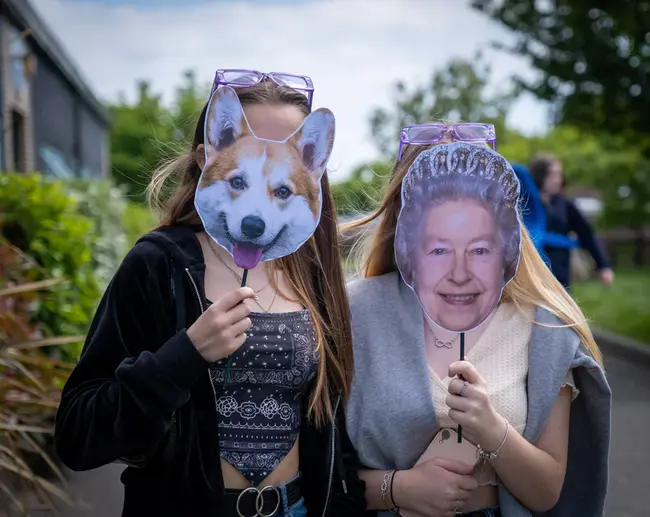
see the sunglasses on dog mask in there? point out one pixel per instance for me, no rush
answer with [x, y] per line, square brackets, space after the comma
[242, 78]
[261, 199]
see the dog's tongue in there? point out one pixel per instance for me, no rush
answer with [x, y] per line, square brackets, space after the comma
[246, 255]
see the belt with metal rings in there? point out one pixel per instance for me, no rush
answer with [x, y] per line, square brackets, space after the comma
[259, 501]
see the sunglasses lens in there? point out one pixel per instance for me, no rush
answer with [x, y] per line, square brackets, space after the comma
[241, 77]
[292, 81]
[474, 132]
[425, 134]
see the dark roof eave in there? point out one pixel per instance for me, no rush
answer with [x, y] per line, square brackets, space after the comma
[24, 13]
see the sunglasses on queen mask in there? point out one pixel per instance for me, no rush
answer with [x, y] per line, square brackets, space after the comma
[431, 133]
[242, 78]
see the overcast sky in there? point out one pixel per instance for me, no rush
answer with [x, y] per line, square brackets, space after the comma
[354, 50]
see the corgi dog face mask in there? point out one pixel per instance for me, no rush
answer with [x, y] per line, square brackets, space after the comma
[458, 235]
[261, 199]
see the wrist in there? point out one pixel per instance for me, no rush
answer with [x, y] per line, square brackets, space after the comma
[400, 482]
[496, 433]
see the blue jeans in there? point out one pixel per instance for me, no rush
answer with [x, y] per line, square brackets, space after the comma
[297, 510]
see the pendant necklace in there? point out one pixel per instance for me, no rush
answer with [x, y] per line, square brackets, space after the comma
[439, 343]
[239, 278]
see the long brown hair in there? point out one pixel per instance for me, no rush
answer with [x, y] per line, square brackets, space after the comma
[314, 271]
[539, 167]
[533, 284]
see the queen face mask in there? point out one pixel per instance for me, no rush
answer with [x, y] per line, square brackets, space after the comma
[261, 199]
[458, 235]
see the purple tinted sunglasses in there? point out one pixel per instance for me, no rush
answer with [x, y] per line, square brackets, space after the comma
[244, 78]
[429, 134]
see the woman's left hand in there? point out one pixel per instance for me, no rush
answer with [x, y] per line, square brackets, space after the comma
[470, 407]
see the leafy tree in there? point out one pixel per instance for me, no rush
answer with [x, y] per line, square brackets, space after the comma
[137, 129]
[190, 99]
[594, 63]
[593, 57]
[147, 132]
[360, 193]
[458, 92]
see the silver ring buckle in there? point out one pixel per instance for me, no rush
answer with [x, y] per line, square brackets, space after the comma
[259, 502]
[249, 489]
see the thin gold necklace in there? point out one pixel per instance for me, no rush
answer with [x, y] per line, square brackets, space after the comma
[439, 343]
[239, 278]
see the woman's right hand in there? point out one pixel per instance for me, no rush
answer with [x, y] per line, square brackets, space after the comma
[221, 329]
[433, 487]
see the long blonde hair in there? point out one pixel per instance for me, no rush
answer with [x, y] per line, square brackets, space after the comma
[533, 284]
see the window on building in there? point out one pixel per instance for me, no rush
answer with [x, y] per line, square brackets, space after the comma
[54, 163]
[18, 52]
[17, 142]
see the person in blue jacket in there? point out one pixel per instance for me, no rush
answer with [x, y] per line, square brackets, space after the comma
[562, 218]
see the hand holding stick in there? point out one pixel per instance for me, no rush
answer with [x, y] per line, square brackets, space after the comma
[226, 376]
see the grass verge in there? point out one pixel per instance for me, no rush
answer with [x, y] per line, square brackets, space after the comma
[624, 309]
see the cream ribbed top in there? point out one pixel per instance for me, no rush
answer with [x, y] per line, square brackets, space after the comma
[500, 355]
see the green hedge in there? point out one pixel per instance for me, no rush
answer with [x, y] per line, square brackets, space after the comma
[77, 232]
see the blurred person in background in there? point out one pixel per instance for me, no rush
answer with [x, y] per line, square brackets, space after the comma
[563, 217]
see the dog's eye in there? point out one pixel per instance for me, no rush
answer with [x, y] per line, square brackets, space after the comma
[283, 192]
[237, 183]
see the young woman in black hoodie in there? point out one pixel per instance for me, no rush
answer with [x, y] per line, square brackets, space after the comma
[149, 387]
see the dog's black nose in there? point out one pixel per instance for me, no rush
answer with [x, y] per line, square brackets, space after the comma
[252, 226]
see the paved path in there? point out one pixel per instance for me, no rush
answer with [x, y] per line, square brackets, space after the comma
[629, 483]
[629, 492]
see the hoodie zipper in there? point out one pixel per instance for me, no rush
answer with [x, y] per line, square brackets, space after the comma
[196, 289]
[333, 455]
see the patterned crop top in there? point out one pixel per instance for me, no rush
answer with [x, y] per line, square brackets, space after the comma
[260, 409]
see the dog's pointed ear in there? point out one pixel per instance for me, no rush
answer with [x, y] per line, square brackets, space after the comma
[315, 139]
[224, 120]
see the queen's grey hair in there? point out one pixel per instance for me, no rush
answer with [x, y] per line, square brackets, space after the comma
[456, 172]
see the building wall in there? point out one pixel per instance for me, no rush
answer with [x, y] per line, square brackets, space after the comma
[61, 135]
[69, 139]
[54, 117]
[16, 98]
[93, 147]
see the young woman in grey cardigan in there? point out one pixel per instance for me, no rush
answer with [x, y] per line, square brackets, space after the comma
[551, 461]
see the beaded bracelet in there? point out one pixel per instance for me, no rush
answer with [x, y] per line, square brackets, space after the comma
[485, 456]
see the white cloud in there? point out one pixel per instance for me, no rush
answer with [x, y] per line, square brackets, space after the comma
[354, 50]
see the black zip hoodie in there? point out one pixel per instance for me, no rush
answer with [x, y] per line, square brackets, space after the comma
[141, 394]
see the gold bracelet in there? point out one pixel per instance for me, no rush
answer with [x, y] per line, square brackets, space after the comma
[485, 456]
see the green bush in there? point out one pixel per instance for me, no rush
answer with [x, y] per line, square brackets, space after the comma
[137, 221]
[78, 233]
[106, 205]
[119, 223]
[41, 217]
